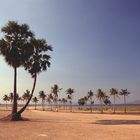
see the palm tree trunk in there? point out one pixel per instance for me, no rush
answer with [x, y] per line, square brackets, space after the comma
[71, 106]
[91, 105]
[24, 107]
[42, 104]
[6, 104]
[35, 105]
[14, 107]
[101, 106]
[114, 105]
[124, 104]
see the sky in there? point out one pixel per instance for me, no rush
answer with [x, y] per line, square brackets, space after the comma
[96, 45]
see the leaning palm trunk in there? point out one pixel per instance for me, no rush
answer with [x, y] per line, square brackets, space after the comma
[14, 115]
[24, 107]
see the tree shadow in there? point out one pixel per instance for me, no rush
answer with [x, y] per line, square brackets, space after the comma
[118, 122]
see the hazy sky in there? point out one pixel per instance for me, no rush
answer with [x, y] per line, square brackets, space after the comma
[96, 44]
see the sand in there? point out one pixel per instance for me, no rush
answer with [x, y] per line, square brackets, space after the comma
[47, 125]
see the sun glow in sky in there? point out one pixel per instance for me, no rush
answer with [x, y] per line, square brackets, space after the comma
[96, 44]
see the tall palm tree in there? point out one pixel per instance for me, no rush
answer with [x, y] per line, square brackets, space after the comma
[35, 100]
[69, 93]
[50, 99]
[16, 48]
[42, 96]
[114, 92]
[124, 93]
[37, 63]
[55, 90]
[100, 96]
[90, 95]
[6, 99]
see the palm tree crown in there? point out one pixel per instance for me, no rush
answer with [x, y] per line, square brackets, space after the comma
[55, 90]
[15, 46]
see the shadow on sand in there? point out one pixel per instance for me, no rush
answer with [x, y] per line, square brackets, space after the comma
[117, 122]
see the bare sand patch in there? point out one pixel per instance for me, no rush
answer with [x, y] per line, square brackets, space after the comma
[47, 125]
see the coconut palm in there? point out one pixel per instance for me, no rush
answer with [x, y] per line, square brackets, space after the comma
[6, 99]
[69, 93]
[37, 63]
[35, 100]
[64, 101]
[18, 97]
[16, 48]
[106, 101]
[124, 93]
[50, 99]
[55, 90]
[42, 96]
[26, 95]
[11, 96]
[114, 92]
[90, 95]
[100, 96]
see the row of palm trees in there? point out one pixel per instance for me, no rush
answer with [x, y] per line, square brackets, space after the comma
[104, 98]
[53, 97]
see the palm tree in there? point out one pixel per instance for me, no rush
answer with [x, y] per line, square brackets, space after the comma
[11, 96]
[16, 49]
[55, 90]
[124, 92]
[106, 101]
[50, 99]
[42, 96]
[64, 101]
[6, 99]
[37, 63]
[82, 101]
[114, 92]
[35, 100]
[100, 96]
[69, 93]
[90, 98]
[26, 95]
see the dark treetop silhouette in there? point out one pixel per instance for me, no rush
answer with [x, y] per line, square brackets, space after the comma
[20, 48]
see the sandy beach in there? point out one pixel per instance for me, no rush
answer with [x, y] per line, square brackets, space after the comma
[47, 125]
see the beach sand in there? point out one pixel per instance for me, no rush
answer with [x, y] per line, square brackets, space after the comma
[47, 125]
